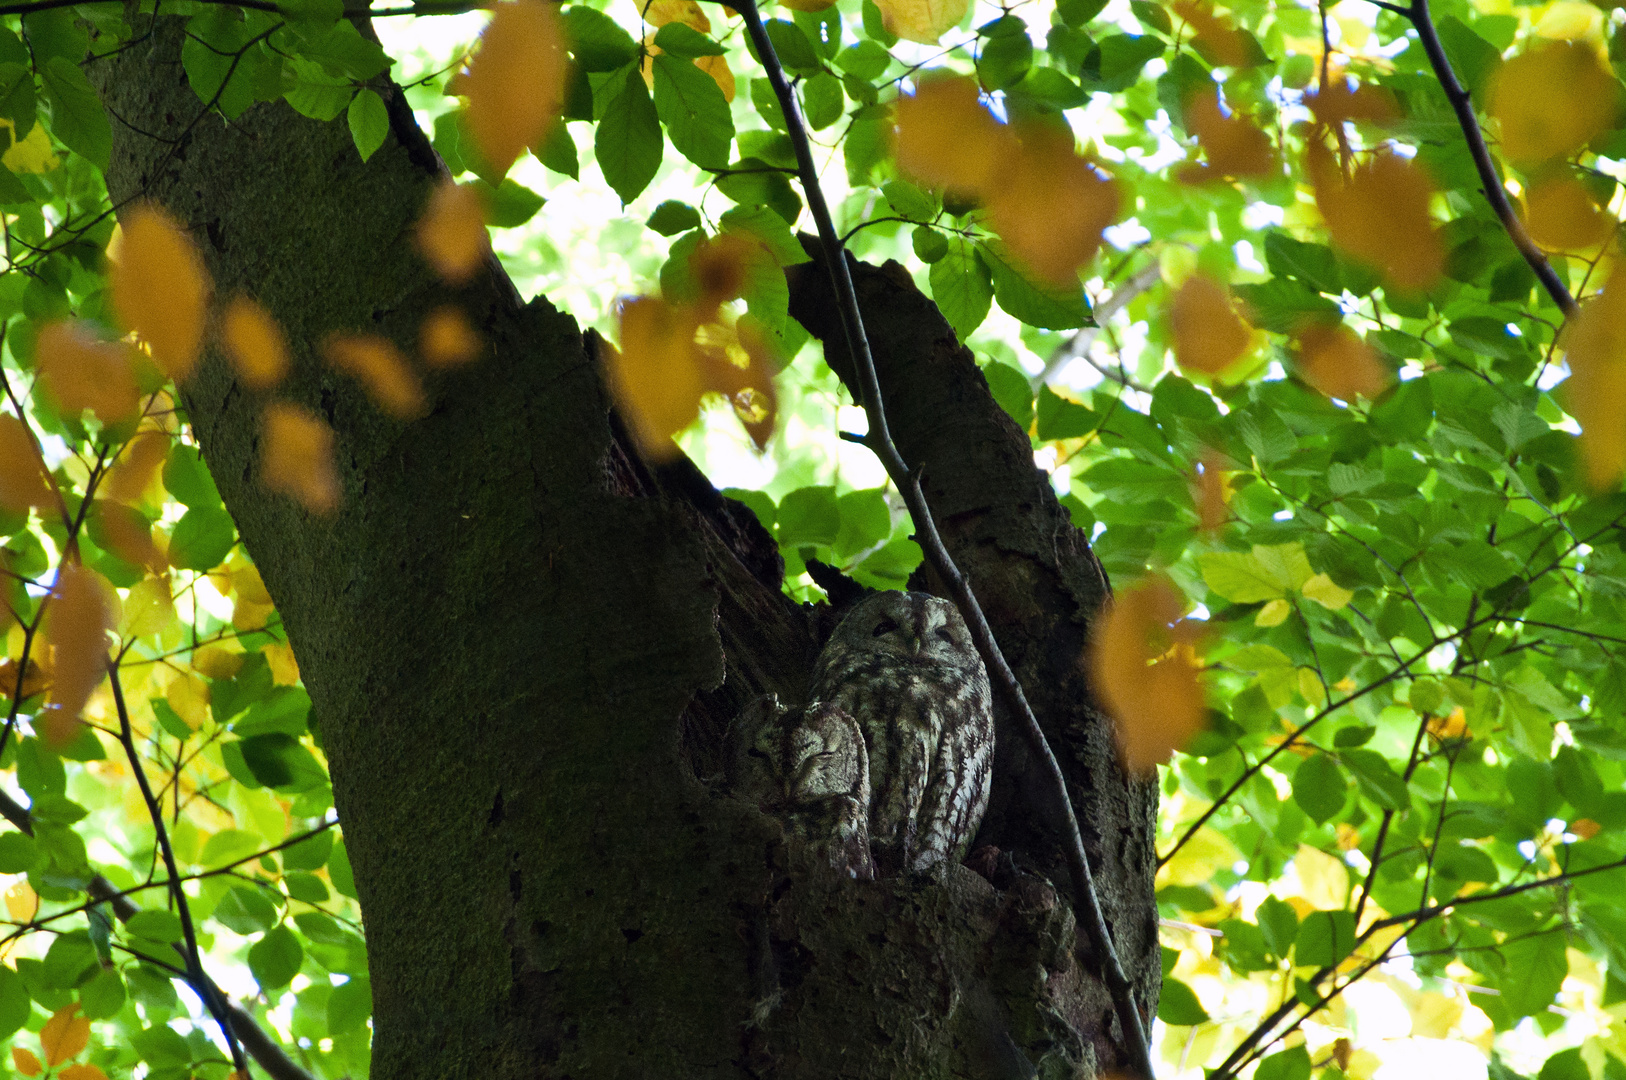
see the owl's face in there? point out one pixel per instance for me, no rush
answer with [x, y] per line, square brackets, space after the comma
[826, 755]
[904, 627]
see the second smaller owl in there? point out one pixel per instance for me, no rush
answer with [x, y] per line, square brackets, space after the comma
[806, 766]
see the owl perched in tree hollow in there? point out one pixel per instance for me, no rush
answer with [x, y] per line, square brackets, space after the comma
[903, 666]
[807, 767]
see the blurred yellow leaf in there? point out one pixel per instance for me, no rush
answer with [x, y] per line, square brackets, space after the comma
[1562, 216]
[64, 1035]
[1233, 145]
[26, 1062]
[22, 473]
[446, 339]
[1569, 19]
[81, 372]
[76, 626]
[1380, 214]
[1050, 206]
[137, 467]
[1323, 879]
[656, 374]
[922, 21]
[738, 363]
[1349, 837]
[1199, 859]
[1227, 45]
[688, 12]
[717, 67]
[256, 344]
[382, 370]
[452, 231]
[1146, 673]
[148, 608]
[298, 457]
[1594, 342]
[188, 695]
[87, 1072]
[21, 902]
[946, 139]
[1209, 336]
[516, 80]
[1552, 100]
[128, 534]
[159, 288]
[1335, 361]
[37, 678]
[218, 661]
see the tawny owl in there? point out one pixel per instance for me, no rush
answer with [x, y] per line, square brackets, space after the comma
[807, 767]
[903, 666]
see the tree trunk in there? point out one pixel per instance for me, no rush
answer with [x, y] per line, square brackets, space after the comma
[522, 644]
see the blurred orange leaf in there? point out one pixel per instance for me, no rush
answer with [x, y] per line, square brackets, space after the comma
[922, 21]
[1585, 828]
[1562, 216]
[1146, 673]
[452, 231]
[1209, 335]
[137, 467]
[656, 374]
[382, 369]
[298, 457]
[1380, 214]
[91, 1072]
[256, 344]
[1227, 45]
[81, 372]
[1212, 494]
[1233, 145]
[64, 1035]
[738, 363]
[160, 288]
[945, 138]
[76, 628]
[1338, 103]
[1051, 206]
[1552, 100]
[1335, 361]
[1594, 342]
[26, 1062]
[22, 473]
[446, 339]
[36, 678]
[516, 80]
[128, 535]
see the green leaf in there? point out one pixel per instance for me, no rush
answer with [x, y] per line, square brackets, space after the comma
[309, 854]
[57, 809]
[793, 48]
[1319, 788]
[822, 100]
[1239, 577]
[275, 958]
[765, 225]
[558, 151]
[18, 853]
[962, 288]
[17, 98]
[1279, 923]
[1535, 970]
[696, 115]
[1006, 53]
[103, 996]
[343, 52]
[1325, 938]
[77, 116]
[245, 911]
[1012, 390]
[351, 1004]
[162, 1047]
[14, 1003]
[70, 961]
[681, 39]
[1290, 1064]
[671, 218]
[1313, 264]
[597, 41]
[1179, 1006]
[1049, 307]
[1115, 62]
[508, 205]
[202, 539]
[628, 143]
[188, 480]
[162, 926]
[866, 520]
[369, 122]
[1376, 778]
[279, 761]
[929, 245]
[338, 872]
[866, 60]
[809, 515]
[306, 887]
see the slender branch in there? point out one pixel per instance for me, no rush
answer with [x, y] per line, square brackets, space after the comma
[1489, 181]
[1086, 904]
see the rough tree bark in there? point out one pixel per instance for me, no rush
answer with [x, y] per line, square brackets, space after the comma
[522, 644]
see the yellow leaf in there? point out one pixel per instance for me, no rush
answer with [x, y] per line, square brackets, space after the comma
[22, 473]
[138, 466]
[248, 585]
[1324, 591]
[1274, 613]
[1349, 837]
[1199, 859]
[84, 1072]
[256, 344]
[717, 67]
[1209, 336]
[1335, 361]
[655, 375]
[922, 21]
[21, 902]
[284, 668]
[1594, 342]
[1323, 880]
[148, 608]
[1149, 688]
[83, 373]
[36, 678]
[1224, 42]
[688, 12]
[64, 1035]
[26, 1062]
[188, 695]
[446, 339]
[382, 370]
[33, 154]
[1233, 145]
[218, 661]
[76, 626]
[1552, 100]
[1561, 216]
[128, 535]
[945, 138]
[1050, 206]
[1380, 214]
[1569, 19]
[452, 231]
[516, 81]
[159, 288]
[1452, 726]
[807, 5]
[298, 457]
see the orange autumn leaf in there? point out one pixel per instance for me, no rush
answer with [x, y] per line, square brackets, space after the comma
[298, 457]
[516, 81]
[446, 339]
[36, 678]
[946, 139]
[1212, 494]
[1335, 361]
[160, 288]
[22, 473]
[1209, 335]
[1146, 673]
[1338, 103]
[688, 12]
[1562, 216]
[1227, 45]
[1594, 342]
[81, 372]
[76, 626]
[64, 1035]
[255, 343]
[452, 231]
[128, 535]
[721, 265]
[91, 1072]
[1050, 206]
[1551, 100]
[656, 374]
[381, 368]
[717, 67]
[1585, 828]
[137, 467]
[1233, 145]
[26, 1062]
[1380, 215]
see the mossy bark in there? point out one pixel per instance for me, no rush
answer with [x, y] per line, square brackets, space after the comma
[522, 642]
